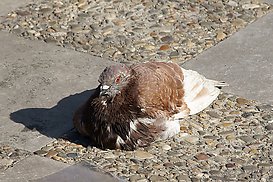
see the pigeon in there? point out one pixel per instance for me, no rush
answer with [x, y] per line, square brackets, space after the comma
[136, 105]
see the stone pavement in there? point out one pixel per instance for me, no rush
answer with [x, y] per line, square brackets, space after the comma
[35, 76]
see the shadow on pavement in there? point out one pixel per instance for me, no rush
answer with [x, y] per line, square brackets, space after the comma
[54, 122]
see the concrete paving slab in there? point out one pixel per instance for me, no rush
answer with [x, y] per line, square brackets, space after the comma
[81, 172]
[7, 5]
[31, 168]
[38, 86]
[244, 61]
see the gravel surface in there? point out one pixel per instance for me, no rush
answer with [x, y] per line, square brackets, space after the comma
[231, 140]
[134, 30]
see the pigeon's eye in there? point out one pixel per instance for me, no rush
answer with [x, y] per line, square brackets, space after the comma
[117, 79]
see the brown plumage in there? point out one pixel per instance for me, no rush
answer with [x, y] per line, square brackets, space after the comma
[134, 106]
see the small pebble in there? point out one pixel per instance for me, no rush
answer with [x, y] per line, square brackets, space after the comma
[167, 164]
[166, 147]
[201, 156]
[40, 152]
[140, 155]
[250, 6]
[51, 153]
[164, 47]
[191, 139]
[72, 155]
[269, 127]
[267, 117]
[182, 177]
[157, 178]
[167, 39]
[110, 156]
[242, 101]
[220, 36]
[230, 165]
[232, 3]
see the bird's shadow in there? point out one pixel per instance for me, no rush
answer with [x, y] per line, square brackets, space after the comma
[55, 122]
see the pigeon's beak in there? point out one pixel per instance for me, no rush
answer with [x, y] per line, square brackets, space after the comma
[104, 90]
[109, 91]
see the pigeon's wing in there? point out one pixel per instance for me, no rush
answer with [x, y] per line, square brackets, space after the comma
[167, 89]
[199, 92]
[160, 89]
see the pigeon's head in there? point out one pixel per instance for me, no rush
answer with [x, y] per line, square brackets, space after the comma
[113, 79]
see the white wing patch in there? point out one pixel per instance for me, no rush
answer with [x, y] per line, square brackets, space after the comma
[199, 91]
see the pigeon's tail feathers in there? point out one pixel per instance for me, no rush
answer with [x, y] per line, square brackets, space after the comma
[199, 91]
